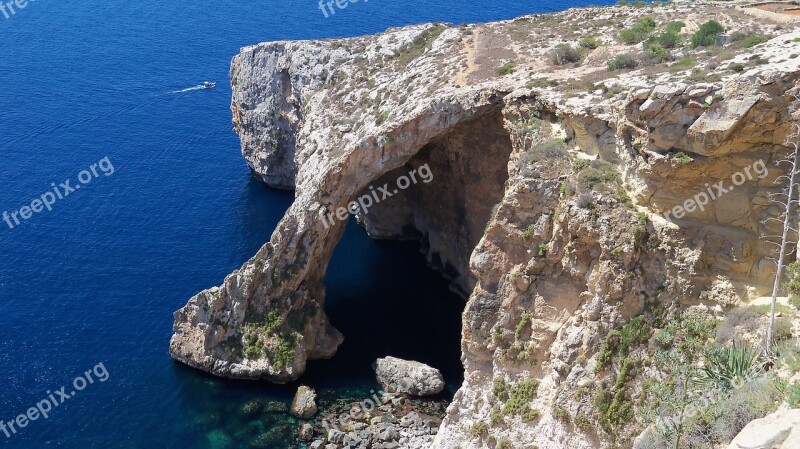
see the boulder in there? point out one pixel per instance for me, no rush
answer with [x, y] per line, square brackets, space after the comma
[780, 430]
[306, 432]
[407, 377]
[304, 404]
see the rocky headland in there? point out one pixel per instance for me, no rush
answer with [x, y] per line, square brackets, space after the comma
[569, 153]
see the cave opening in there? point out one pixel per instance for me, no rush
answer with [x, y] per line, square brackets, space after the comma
[398, 280]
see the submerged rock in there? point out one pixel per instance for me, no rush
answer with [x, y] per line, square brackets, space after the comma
[304, 404]
[407, 377]
[264, 441]
[250, 408]
[276, 407]
[207, 421]
[218, 439]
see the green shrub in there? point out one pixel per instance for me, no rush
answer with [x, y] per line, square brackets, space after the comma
[792, 284]
[597, 174]
[670, 39]
[755, 400]
[282, 354]
[753, 40]
[582, 422]
[607, 350]
[602, 177]
[623, 61]
[794, 300]
[519, 397]
[664, 337]
[667, 39]
[527, 233]
[504, 443]
[793, 395]
[496, 416]
[382, 117]
[543, 249]
[736, 67]
[524, 323]
[684, 411]
[685, 63]
[638, 32]
[479, 430]
[561, 414]
[640, 232]
[419, 45]
[682, 158]
[542, 82]
[272, 339]
[646, 23]
[788, 355]
[633, 332]
[675, 27]
[506, 69]
[580, 164]
[738, 320]
[589, 42]
[657, 54]
[764, 309]
[548, 151]
[500, 389]
[566, 54]
[707, 35]
[632, 36]
[782, 329]
[614, 406]
[727, 367]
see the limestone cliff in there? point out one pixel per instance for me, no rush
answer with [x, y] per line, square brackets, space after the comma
[552, 203]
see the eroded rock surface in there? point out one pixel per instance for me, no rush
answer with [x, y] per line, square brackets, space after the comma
[552, 205]
[407, 377]
[780, 430]
[304, 404]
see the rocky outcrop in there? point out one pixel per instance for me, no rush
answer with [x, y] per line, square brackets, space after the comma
[304, 404]
[565, 199]
[388, 422]
[780, 430]
[406, 377]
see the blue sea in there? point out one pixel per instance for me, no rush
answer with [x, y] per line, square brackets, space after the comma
[104, 92]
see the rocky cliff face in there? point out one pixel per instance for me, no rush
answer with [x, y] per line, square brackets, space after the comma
[553, 204]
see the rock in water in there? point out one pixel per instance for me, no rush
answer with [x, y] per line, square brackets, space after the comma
[306, 432]
[780, 430]
[218, 439]
[407, 377]
[250, 408]
[304, 404]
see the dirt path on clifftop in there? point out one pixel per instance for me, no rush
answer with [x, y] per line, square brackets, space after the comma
[470, 47]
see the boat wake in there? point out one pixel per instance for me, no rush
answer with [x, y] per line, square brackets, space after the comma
[205, 85]
[188, 89]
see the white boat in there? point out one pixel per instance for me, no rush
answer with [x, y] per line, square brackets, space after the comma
[209, 85]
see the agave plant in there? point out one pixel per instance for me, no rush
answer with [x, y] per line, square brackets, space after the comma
[729, 367]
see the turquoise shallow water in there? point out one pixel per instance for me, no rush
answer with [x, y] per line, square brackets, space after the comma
[96, 279]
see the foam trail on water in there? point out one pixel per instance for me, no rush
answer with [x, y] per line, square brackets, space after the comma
[188, 89]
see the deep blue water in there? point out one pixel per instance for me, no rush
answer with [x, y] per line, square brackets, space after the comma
[96, 279]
